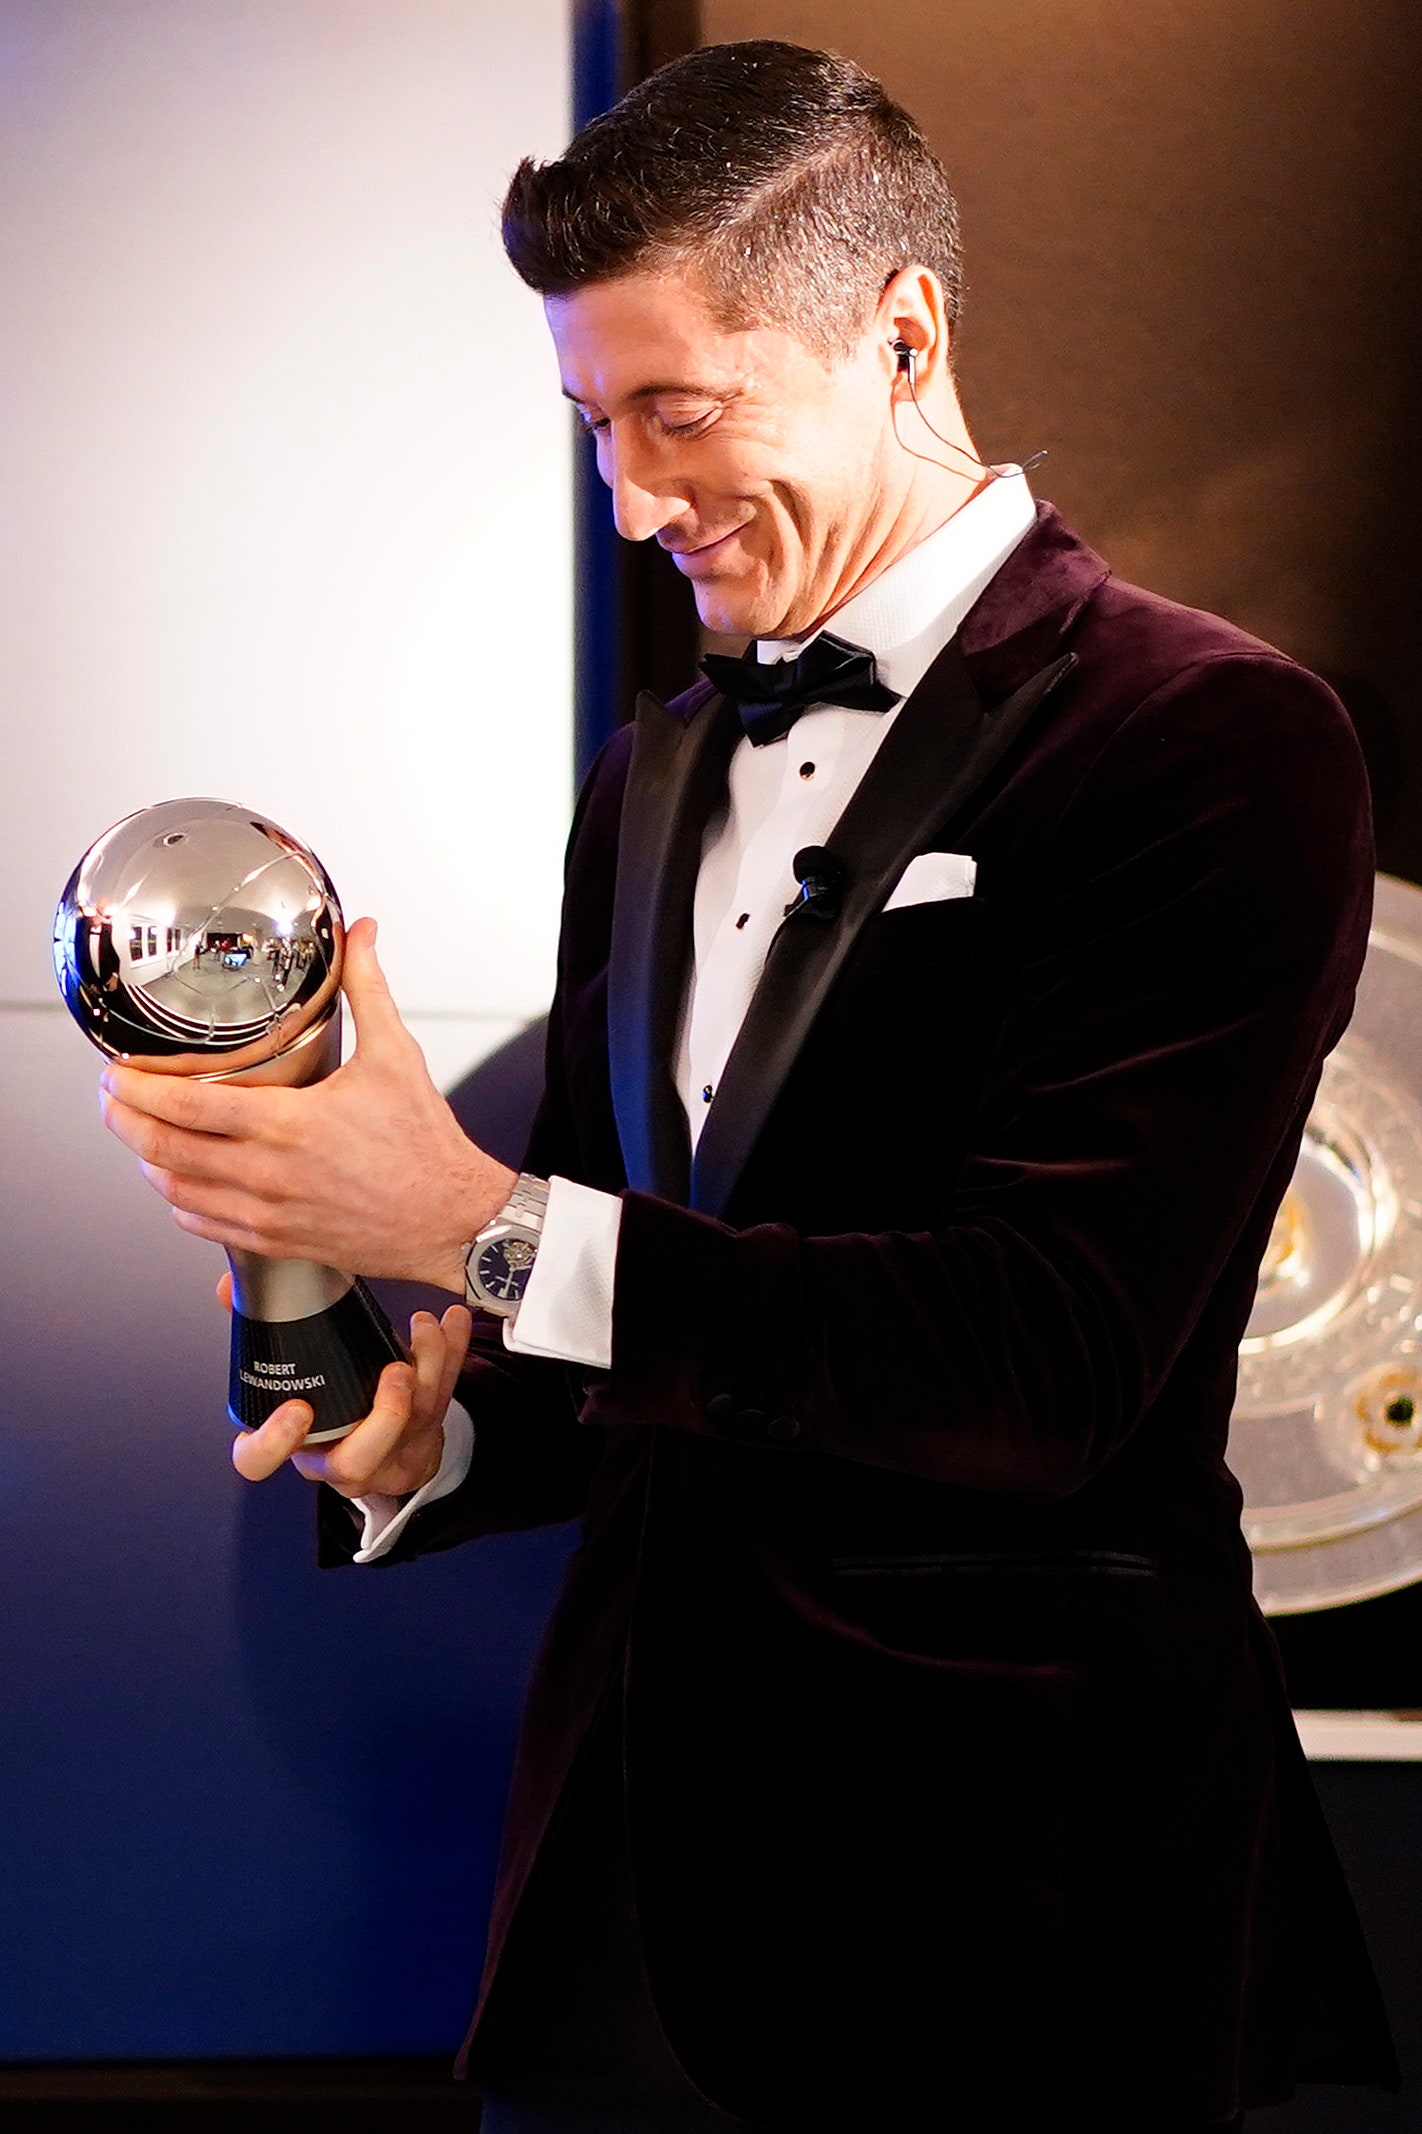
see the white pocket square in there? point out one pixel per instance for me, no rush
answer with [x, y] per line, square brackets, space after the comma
[934, 876]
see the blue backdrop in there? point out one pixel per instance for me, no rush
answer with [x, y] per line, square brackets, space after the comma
[249, 1808]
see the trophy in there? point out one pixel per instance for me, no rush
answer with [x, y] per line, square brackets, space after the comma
[197, 938]
[1326, 1435]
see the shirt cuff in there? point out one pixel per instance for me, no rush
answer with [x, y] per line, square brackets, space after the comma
[385, 1518]
[566, 1310]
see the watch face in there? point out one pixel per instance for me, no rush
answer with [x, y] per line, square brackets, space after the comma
[503, 1267]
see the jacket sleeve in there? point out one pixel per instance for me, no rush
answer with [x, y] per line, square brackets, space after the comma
[531, 1462]
[1190, 956]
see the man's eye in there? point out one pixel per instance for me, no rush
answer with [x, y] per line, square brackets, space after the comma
[600, 426]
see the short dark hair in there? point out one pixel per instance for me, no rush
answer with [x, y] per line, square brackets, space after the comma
[787, 179]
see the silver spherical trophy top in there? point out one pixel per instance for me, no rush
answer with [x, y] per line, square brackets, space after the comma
[199, 938]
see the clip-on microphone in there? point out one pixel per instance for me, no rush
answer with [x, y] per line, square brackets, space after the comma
[822, 880]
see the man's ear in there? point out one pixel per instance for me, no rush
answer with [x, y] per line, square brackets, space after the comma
[912, 311]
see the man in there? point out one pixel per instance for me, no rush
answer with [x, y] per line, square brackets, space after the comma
[941, 997]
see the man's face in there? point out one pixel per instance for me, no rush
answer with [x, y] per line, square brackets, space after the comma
[765, 472]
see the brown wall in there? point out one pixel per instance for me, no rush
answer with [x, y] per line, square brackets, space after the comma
[1194, 246]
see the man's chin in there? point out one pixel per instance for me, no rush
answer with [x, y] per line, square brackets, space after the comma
[734, 611]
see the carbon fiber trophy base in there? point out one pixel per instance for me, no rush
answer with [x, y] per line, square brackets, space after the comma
[332, 1359]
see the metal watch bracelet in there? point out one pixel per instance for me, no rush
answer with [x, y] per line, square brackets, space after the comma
[524, 1209]
[527, 1203]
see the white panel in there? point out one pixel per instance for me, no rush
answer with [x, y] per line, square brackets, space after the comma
[288, 512]
[454, 1045]
[1361, 1737]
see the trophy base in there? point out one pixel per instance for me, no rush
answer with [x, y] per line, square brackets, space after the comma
[332, 1358]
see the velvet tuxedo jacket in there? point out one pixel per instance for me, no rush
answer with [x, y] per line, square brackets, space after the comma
[958, 1763]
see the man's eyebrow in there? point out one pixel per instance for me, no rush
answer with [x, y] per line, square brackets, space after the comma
[654, 391]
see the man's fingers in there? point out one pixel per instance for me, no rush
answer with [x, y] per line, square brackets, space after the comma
[200, 1107]
[456, 1327]
[259, 1453]
[363, 983]
[439, 1348]
[240, 1207]
[161, 1146]
[224, 1291]
[351, 1462]
[427, 1351]
[236, 1237]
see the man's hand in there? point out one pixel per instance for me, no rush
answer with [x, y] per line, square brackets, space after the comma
[398, 1446]
[368, 1170]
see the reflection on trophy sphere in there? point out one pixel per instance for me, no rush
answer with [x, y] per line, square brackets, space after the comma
[199, 938]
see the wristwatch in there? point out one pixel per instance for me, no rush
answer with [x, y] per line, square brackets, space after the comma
[499, 1262]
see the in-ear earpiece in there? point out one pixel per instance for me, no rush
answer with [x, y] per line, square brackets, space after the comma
[906, 366]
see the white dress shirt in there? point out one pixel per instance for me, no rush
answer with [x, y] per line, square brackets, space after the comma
[783, 795]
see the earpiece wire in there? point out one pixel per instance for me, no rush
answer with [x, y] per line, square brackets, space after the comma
[993, 474]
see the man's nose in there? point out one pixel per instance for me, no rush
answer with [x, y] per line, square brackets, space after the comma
[645, 496]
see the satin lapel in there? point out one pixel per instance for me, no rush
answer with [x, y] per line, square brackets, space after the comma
[939, 750]
[676, 777]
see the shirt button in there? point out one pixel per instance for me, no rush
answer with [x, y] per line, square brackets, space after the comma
[706, 1093]
[807, 770]
[743, 919]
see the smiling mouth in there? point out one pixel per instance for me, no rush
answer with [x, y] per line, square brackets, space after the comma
[684, 556]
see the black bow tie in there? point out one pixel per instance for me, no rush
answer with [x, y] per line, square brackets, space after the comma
[770, 695]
